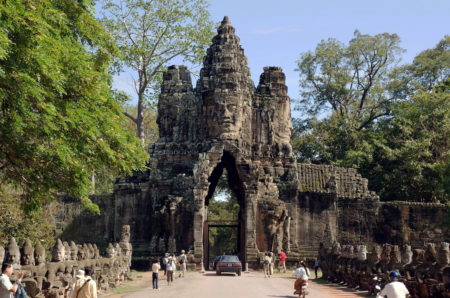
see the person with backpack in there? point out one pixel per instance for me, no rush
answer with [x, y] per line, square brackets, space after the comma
[182, 262]
[85, 287]
[164, 261]
[170, 268]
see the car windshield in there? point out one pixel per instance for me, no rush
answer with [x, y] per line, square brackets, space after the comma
[229, 259]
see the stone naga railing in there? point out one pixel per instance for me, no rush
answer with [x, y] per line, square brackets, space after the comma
[425, 270]
[53, 279]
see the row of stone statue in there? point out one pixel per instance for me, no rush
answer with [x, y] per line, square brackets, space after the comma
[62, 251]
[52, 279]
[425, 270]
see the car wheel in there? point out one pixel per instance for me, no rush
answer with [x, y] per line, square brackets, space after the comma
[218, 272]
[239, 273]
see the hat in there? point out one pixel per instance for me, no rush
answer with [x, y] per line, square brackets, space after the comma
[80, 274]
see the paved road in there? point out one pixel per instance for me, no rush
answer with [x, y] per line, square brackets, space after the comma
[249, 285]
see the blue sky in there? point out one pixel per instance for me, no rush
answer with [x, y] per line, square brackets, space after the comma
[274, 33]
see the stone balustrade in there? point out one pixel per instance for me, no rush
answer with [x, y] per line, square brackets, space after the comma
[53, 279]
[424, 270]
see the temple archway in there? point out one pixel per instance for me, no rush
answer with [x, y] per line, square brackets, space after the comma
[226, 168]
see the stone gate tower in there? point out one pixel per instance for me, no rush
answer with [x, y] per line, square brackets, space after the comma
[227, 123]
[224, 123]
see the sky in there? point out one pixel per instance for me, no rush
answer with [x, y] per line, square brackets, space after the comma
[275, 33]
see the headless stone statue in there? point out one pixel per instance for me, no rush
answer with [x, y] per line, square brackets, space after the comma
[39, 254]
[13, 253]
[27, 253]
[58, 251]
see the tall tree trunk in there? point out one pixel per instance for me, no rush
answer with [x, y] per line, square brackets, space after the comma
[140, 119]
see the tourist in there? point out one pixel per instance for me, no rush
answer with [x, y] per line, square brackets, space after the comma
[272, 262]
[266, 264]
[155, 270]
[182, 261]
[282, 263]
[79, 275]
[7, 289]
[166, 257]
[302, 275]
[316, 266]
[394, 289]
[85, 287]
[170, 268]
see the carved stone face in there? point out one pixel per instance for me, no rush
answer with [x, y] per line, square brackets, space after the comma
[362, 252]
[224, 117]
[395, 256]
[73, 251]
[444, 254]
[336, 250]
[13, 252]
[27, 253]
[418, 255]
[39, 254]
[407, 254]
[110, 251]
[375, 255]
[430, 253]
[58, 252]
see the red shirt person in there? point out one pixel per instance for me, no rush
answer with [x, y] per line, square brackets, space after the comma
[282, 263]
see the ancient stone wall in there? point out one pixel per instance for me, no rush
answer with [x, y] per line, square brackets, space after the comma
[53, 276]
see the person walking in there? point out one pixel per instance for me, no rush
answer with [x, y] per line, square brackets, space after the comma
[282, 263]
[316, 266]
[155, 270]
[272, 262]
[79, 275]
[7, 289]
[394, 289]
[165, 258]
[182, 262]
[85, 287]
[170, 268]
[266, 264]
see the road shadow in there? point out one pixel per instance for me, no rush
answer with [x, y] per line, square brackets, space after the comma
[342, 288]
[282, 296]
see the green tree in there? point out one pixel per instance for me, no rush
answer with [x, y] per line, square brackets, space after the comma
[151, 34]
[58, 119]
[348, 83]
[413, 160]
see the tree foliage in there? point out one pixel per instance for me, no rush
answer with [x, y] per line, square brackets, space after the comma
[391, 123]
[58, 119]
[151, 34]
